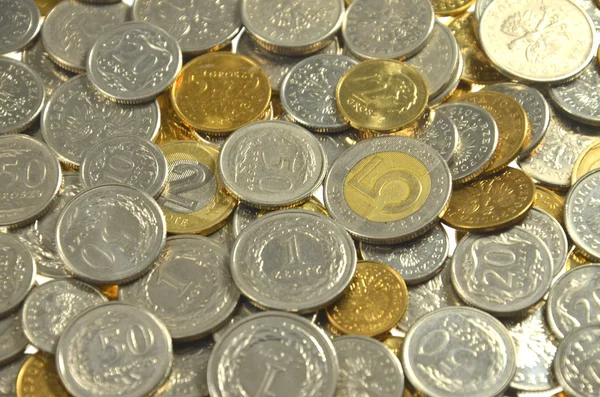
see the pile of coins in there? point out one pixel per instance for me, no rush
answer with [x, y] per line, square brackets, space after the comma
[283, 198]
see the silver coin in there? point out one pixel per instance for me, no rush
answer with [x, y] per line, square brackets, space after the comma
[385, 158]
[535, 106]
[272, 164]
[550, 231]
[480, 6]
[459, 351]
[29, 180]
[22, 96]
[503, 273]
[308, 92]
[128, 160]
[37, 59]
[579, 98]
[20, 21]
[582, 214]
[224, 236]
[438, 60]
[243, 310]
[293, 260]
[576, 362]
[573, 301]
[276, 66]
[190, 287]
[452, 85]
[536, 347]
[552, 162]
[12, 338]
[198, 26]
[592, 10]
[292, 27]
[477, 139]
[188, 375]
[8, 377]
[273, 354]
[114, 350]
[77, 118]
[417, 260]
[134, 62]
[368, 368]
[51, 306]
[242, 217]
[40, 236]
[17, 273]
[440, 133]
[110, 234]
[319, 319]
[387, 28]
[71, 28]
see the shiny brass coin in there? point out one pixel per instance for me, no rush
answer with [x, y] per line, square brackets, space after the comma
[194, 200]
[110, 291]
[382, 96]
[394, 343]
[575, 260]
[219, 92]
[587, 161]
[513, 125]
[46, 5]
[171, 126]
[38, 378]
[549, 201]
[373, 303]
[489, 204]
[276, 106]
[451, 7]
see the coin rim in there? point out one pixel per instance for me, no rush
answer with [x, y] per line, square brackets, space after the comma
[593, 254]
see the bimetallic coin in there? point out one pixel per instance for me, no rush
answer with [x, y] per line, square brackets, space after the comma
[37, 59]
[292, 27]
[587, 161]
[128, 160]
[190, 287]
[12, 339]
[51, 306]
[459, 351]
[379, 371]
[579, 98]
[387, 190]
[110, 234]
[281, 354]
[77, 118]
[582, 214]
[71, 29]
[133, 62]
[17, 273]
[110, 339]
[243, 310]
[30, 179]
[198, 27]
[20, 23]
[293, 260]
[556, 48]
[38, 377]
[8, 377]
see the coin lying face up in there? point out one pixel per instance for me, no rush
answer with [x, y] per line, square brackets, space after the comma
[582, 214]
[17, 273]
[20, 25]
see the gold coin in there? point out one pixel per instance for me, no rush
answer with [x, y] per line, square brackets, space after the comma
[194, 200]
[513, 125]
[489, 204]
[549, 201]
[277, 107]
[587, 161]
[110, 291]
[394, 343]
[382, 96]
[575, 260]
[46, 6]
[219, 92]
[171, 126]
[38, 378]
[451, 7]
[373, 303]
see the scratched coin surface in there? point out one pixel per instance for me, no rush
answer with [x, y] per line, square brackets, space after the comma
[77, 118]
[51, 74]
[51, 306]
[582, 214]
[20, 21]
[17, 273]
[12, 338]
[579, 98]
[134, 62]
[551, 44]
[8, 376]
[114, 349]
[273, 354]
[110, 234]
[459, 351]
[441, 133]
[293, 260]
[38, 377]
[367, 367]
[128, 160]
[189, 288]
[71, 28]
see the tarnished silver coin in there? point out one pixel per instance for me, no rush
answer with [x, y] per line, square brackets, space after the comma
[243, 310]
[17, 273]
[37, 59]
[503, 273]
[22, 96]
[114, 350]
[417, 260]
[20, 21]
[387, 28]
[190, 287]
[29, 181]
[134, 62]
[367, 367]
[591, 7]
[71, 28]
[580, 98]
[440, 133]
[573, 301]
[198, 26]
[292, 27]
[77, 118]
[128, 160]
[50, 307]
[8, 377]
[277, 354]
[293, 260]
[12, 338]
[271, 164]
[582, 214]
[110, 234]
